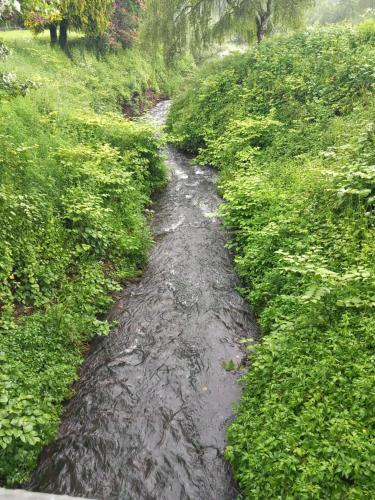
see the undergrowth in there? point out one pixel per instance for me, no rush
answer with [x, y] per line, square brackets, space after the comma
[291, 127]
[75, 179]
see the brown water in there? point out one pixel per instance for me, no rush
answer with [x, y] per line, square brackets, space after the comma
[149, 415]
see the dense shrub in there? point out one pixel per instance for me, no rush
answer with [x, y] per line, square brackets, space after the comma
[75, 178]
[290, 125]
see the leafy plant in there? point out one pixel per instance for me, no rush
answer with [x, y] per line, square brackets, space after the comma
[73, 195]
[290, 126]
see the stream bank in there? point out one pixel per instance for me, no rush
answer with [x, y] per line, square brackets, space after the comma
[149, 414]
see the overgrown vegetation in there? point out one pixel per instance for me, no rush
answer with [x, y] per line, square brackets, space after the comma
[75, 179]
[291, 127]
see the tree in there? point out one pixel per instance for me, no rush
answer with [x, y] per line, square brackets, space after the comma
[42, 14]
[124, 23]
[92, 17]
[193, 23]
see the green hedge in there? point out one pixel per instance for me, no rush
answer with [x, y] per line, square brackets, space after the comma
[291, 127]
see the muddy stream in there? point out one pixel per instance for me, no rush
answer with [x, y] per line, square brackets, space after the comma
[149, 413]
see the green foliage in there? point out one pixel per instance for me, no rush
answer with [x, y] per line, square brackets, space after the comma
[180, 25]
[290, 126]
[75, 179]
[124, 23]
[115, 23]
[366, 31]
[90, 16]
[10, 86]
[39, 14]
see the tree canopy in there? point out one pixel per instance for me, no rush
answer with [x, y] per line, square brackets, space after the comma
[90, 16]
[178, 24]
[116, 20]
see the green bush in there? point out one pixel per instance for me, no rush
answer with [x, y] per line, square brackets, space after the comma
[75, 179]
[290, 125]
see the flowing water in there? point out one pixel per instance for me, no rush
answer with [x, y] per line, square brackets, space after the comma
[149, 414]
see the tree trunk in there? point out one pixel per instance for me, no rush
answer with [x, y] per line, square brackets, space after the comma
[261, 29]
[63, 37]
[263, 21]
[53, 33]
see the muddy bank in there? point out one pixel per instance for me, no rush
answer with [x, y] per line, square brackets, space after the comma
[139, 103]
[149, 415]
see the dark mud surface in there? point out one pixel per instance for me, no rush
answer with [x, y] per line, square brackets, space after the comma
[149, 415]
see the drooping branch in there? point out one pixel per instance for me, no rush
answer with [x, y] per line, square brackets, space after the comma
[189, 24]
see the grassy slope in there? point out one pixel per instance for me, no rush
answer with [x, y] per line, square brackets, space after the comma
[74, 181]
[291, 127]
[85, 81]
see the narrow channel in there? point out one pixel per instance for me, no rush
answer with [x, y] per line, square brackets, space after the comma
[149, 414]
